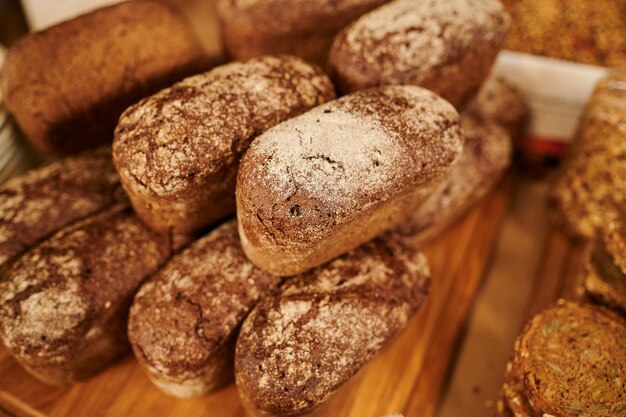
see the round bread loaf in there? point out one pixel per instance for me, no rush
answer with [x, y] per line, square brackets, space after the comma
[44, 200]
[445, 46]
[184, 320]
[63, 304]
[66, 86]
[177, 152]
[303, 28]
[331, 179]
[573, 361]
[297, 348]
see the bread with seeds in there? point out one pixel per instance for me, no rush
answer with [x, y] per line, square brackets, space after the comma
[42, 201]
[184, 320]
[64, 303]
[177, 152]
[298, 347]
[323, 183]
[445, 46]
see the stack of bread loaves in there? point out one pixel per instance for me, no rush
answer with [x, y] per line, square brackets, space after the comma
[321, 269]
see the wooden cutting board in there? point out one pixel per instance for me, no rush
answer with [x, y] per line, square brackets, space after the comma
[407, 377]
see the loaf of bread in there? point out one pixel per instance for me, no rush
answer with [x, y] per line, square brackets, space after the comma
[67, 85]
[39, 203]
[184, 320]
[333, 178]
[590, 191]
[445, 46]
[486, 155]
[177, 152]
[64, 303]
[297, 348]
[303, 28]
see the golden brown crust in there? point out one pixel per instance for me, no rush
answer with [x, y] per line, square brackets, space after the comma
[303, 28]
[325, 182]
[447, 47]
[67, 85]
[177, 152]
[44, 200]
[63, 304]
[297, 348]
[184, 320]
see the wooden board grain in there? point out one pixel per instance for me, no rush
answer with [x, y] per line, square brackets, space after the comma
[407, 377]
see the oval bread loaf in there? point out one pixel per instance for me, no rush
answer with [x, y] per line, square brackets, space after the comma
[297, 348]
[333, 178]
[44, 200]
[304, 28]
[445, 46]
[184, 320]
[63, 304]
[177, 152]
[68, 85]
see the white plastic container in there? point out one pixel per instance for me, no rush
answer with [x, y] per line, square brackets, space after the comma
[44, 13]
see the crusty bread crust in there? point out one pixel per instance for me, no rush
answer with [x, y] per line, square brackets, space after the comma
[325, 182]
[177, 152]
[184, 320]
[303, 28]
[63, 304]
[297, 348]
[42, 201]
[445, 46]
[66, 86]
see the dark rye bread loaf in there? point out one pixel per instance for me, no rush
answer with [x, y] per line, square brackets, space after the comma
[67, 85]
[303, 28]
[63, 304]
[572, 358]
[184, 320]
[44, 200]
[445, 46]
[298, 347]
[177, 152]
[323, 183]
[486, 155]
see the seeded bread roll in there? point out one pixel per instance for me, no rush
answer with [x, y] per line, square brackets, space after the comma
[297, 348]
[445, 46]
[44, 200]
[330, 180]
[178, 151]
[304, 28]
[573, 361]
[63, 304]
[486, 155]
[184, 320]
[67, 85]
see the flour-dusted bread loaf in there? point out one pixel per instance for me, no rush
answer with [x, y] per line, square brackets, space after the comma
[298, 347]
[304, 28]
[44, 200]
[177, 152]
[67, 85]
[184, 320]
[330, 180]
[486, 155]
[64, 303]
[446, 46]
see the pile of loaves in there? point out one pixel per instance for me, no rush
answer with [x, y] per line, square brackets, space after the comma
[334, 196]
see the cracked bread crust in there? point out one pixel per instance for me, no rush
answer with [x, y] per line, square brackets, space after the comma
[323, 183]
[66, 86]
[42, 201]
[303, 28]
[297, 348]
[177, 152]
[184, 320]
[63, 304]
[447, 47]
